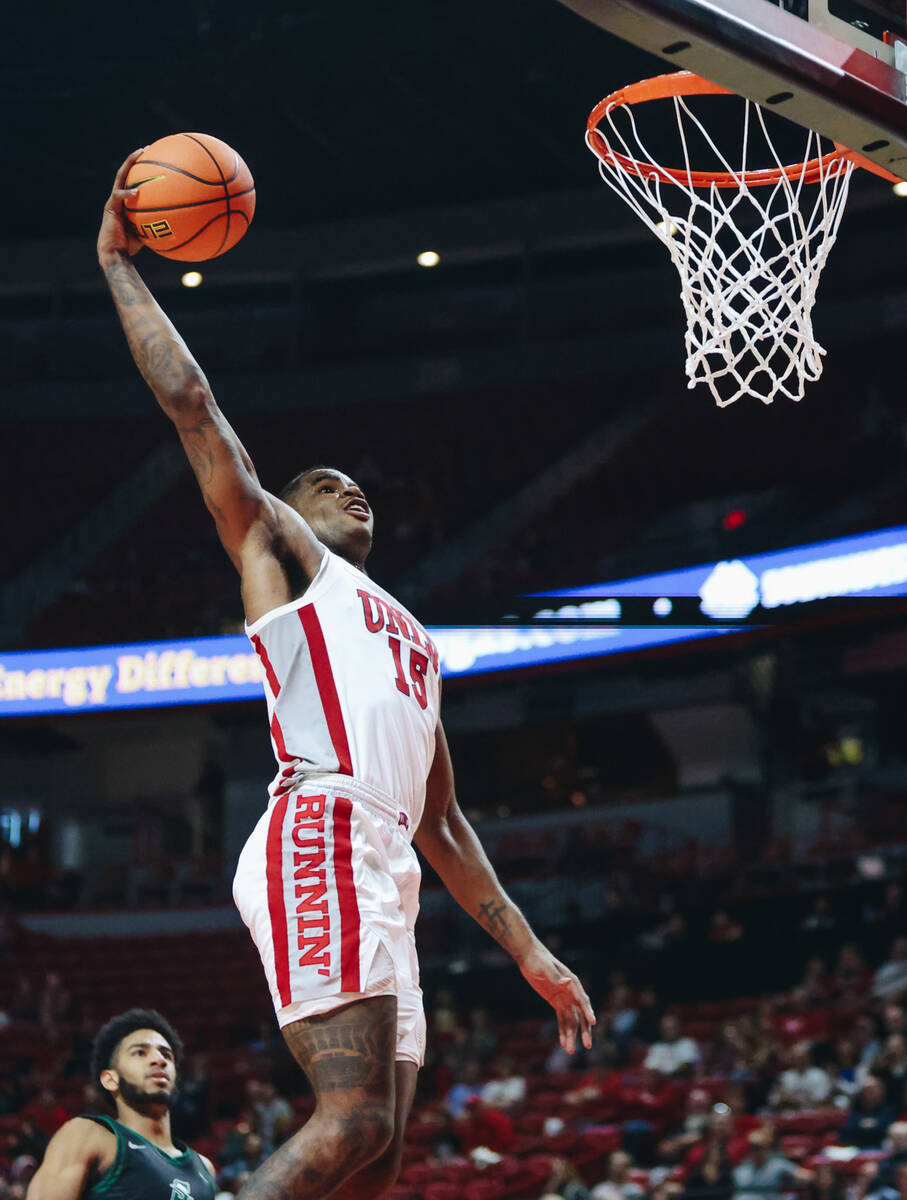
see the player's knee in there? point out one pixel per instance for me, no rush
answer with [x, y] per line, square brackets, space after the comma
[364, 1134]
[376, 1125]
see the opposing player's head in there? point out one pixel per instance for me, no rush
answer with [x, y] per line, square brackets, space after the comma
[135, 1057]
[336, 510]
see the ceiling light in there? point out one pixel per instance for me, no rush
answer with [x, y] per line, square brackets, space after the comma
[428, 258]
[191, 279]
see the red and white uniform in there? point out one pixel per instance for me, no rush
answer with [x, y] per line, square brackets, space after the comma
[328, 882]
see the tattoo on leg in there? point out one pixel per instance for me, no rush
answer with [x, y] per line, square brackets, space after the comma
[354, 1049]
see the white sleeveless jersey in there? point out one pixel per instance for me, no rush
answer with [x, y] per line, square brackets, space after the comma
[352, 687]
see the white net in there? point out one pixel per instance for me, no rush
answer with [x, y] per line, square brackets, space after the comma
[749, 254]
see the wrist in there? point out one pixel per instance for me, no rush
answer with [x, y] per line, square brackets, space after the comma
[112, 258]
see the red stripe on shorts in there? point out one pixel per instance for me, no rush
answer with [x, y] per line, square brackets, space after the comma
[277, 908]
[346, 896]
[327, 689]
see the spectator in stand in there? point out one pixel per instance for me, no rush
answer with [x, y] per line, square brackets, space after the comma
[720, 1137]
[254, 1153]
[648, 1017]
[617, 1184]
[847, 1075]
[891, 1067]
[481, 1039]
[93, 1100]
[55, 1004]
[446, 1142]
[869, 1118]
[671, 933]
[691, 1130]
[815, 981]
[29, 1141]
[617, 1020]
[891, 915]
[79, 1061]
[865, 1037]
[799, 1020]
[891, 977]
[803, 1084]
[764, 1174]
[24, 1005]
[722, 928]
[234, 1142]
[506, 1089]
[270, 1109]
[897, 1189]
[190, 1113]
[648, 1105]
[480, 1125]
[827, 1184]
[712, 1178]
[881, 1175]
[820, 921]
[444, 1020]
[46, 1112]
[468, 1083]
[11, 1095]
[729, 1056]
[894, 1018]
[564, 1183]
[602, 1085]
[673, 1054]
[851, 977]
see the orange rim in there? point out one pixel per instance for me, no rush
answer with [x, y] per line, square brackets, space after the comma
[688, 83]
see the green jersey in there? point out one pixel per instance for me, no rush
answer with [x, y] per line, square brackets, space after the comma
[142, 1171]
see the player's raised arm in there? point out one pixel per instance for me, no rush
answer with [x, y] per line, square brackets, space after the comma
[224, 470]
[450, 844]
[71, 1153]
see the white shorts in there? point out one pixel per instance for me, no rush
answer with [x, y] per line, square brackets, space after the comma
[328, 885]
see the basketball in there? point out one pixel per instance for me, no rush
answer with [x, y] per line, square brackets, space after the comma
[196, 197]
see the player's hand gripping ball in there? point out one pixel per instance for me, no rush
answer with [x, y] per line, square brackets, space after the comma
[196, 197]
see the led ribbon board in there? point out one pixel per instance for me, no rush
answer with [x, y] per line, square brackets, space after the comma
[210, 670]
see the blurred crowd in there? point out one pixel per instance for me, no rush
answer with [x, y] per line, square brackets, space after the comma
[742, 1098]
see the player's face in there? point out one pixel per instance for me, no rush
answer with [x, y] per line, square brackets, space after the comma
[145, 1070]
[337, 512]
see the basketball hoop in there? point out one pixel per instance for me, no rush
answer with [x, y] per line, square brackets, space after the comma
[749, 243]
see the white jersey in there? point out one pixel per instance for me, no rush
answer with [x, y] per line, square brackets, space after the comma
[352, 687]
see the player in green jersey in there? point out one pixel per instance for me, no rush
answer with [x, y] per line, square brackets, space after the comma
[133, 1157]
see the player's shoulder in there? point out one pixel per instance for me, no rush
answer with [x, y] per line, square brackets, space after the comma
[82, 1137]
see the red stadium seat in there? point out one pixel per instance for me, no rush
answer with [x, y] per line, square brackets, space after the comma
[605, 1139]
[811, 1122]
[442, 1191]
[456, 1172]
[481, 1189]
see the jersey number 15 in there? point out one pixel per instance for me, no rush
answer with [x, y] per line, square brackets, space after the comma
[418, 666]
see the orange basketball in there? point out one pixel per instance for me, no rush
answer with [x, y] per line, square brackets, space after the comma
[196, 197]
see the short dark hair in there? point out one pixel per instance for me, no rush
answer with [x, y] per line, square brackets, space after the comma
[109, 1036]
[288, 491]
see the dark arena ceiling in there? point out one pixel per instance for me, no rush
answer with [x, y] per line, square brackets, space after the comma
[341, 110]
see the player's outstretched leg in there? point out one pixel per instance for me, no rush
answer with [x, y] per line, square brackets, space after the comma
[348, 1056]
[376, 1180]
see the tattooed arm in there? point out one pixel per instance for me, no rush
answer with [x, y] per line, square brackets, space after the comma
[252, 524]
[450, 844]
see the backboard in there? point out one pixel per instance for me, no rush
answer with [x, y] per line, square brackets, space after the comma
[835, 66]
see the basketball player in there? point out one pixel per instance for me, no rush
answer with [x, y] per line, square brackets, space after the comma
[135, 1059]
[328, 880]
